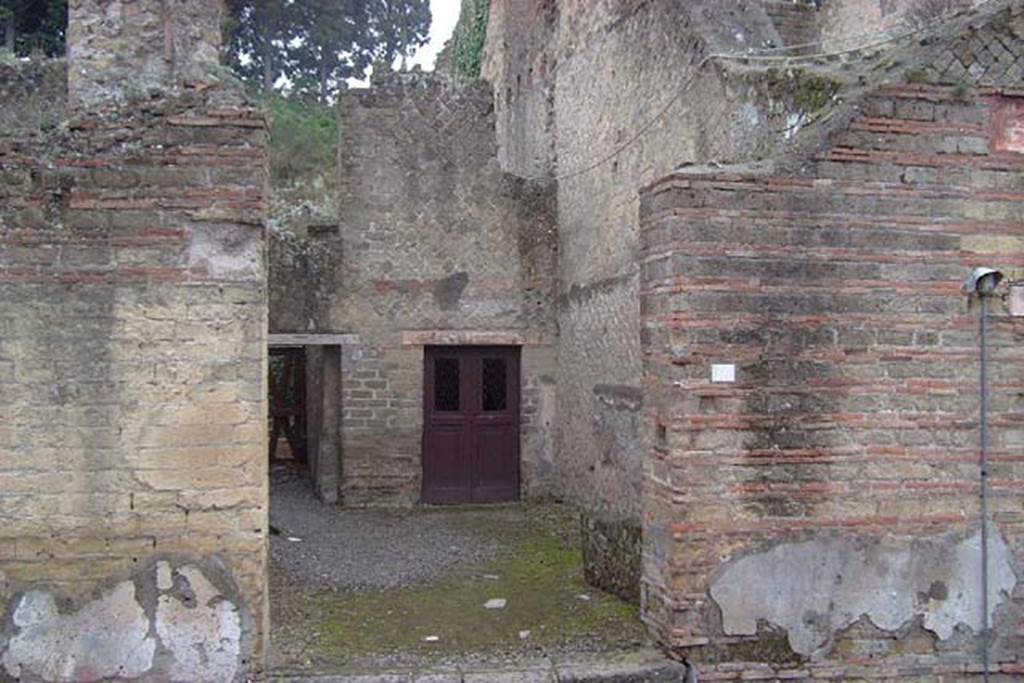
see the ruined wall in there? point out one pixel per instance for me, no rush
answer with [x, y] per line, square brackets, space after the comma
[606, 97]
[132, 392]
[847, 23]
[123, 49]
[439, 247]
[302, 271]
[819, 517]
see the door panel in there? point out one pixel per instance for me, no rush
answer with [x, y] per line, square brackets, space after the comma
[444, 470]
[471, 424]
[496, 471]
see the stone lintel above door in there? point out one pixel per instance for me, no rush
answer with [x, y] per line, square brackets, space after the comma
[471, 338]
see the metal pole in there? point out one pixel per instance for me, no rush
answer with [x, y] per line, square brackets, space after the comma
[984, 485]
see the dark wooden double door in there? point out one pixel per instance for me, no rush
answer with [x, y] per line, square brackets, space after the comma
[471, 425]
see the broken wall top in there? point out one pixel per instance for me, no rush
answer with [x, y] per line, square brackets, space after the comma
[124, 49]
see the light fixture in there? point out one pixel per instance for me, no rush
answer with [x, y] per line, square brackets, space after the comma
[982, 281]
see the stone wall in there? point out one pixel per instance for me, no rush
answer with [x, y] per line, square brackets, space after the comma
[819, 517]
[122, 49]
[606, 97]
[848, 23]
[34, 96]
[438, 247]
[132, 391]
[796, 23]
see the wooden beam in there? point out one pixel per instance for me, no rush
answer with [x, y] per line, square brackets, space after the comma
[280, 340]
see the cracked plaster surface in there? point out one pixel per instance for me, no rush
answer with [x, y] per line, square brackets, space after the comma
[815, 588]
[198, 633]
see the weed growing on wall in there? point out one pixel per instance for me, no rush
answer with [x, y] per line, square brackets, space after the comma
[469, 37]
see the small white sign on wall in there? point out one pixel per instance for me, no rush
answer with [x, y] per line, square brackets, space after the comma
[723, 372]
[1017, 299]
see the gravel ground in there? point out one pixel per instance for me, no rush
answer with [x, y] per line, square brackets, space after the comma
[365, 550]
[390, 589]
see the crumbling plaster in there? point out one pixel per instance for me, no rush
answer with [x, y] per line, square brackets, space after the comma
[174, 616]
[818, 587]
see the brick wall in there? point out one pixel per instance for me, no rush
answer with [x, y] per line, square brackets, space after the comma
[132, 391]
[435, 239]
[842, 464]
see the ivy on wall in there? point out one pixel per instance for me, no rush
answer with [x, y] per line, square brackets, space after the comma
[469, 38]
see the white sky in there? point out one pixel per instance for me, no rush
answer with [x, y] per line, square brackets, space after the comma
[444, 14]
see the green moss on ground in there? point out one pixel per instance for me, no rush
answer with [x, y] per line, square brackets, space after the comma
[540, 576]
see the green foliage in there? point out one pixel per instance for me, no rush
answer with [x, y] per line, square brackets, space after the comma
[807, 91]
[303, 139]
[468, 41]
[813, 92]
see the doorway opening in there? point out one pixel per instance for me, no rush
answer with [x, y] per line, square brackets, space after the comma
[304, 410]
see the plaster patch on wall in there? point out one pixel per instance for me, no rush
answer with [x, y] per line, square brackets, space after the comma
[816, 588]
[107, 638]
[201, 628]
[226, 253]
[1008, 124]
[617, 423]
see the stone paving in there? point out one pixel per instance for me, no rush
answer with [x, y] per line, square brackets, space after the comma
[638, 666]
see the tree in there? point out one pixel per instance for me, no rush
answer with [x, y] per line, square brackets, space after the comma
[259, 31]
[332, 40]
[403, 26]
[34, 26]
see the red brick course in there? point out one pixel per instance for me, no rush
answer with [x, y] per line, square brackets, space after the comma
[837, 294]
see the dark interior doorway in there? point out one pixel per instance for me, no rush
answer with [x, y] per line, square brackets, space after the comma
[304, 420]
[471, 425]
[288, 404]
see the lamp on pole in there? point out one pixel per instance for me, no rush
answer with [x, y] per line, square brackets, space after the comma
[982, 282]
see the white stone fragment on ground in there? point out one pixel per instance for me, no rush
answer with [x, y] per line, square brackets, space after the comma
[492, 577]
[431, 639]
[496, 603]
[294, 539]
[584, 597]
[523, 635]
